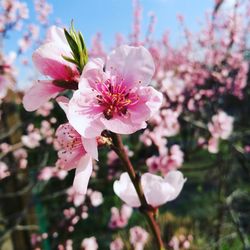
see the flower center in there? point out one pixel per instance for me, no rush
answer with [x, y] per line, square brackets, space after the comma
[115, 98]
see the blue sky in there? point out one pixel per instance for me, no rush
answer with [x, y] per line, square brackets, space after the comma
[112, 16]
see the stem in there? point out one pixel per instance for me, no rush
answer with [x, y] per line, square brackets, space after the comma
[145, 208]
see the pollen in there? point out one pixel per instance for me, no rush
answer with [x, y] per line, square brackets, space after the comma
[115, 98]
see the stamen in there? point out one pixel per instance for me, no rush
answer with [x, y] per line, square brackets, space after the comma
[114, 97]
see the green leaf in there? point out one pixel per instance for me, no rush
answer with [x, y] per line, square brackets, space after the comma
[69, 59]
[78, 48]
[73, 45]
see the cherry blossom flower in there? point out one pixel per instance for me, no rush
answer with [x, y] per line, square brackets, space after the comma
[48, 172]
[116, 244]
[95, 197]
[43, 9]
[117, 99]
[171, 160]
[4, 170]
[51, 53]
[21, 156]
[221, 125]
[213, 145]
[138, 237]
[181, 242]
[157, 190]
[32, 140]
[76, 152]
[119, 218]
[172, 86]
[75, 197]
[89, 243]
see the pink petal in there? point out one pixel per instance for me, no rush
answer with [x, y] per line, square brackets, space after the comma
[125, 190]
[92, 74]
[149, 103]
[134, 64]
[82, 174]
[56, 34]
[49, 61]
[90, 145]
[39, 94]
[63, 103]
[176, 180]
[156, 190]
[83, 115]
[122, 125]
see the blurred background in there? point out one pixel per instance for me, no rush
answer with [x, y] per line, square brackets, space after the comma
[201, 52]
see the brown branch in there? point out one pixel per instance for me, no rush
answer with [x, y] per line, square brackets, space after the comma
[146, 209]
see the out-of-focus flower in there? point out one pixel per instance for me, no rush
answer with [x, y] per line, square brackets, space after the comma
[48, 172]
[21, 156]
[4, 170]
[221, 125]
[117, 99]
[89, 244]
[173, 86]
[213, 145]
[96, 198]
[171, 160]
[32, 140]
[43, 9]
[51, 53]
[138, 237]
[119, 218]
[75, 197]
[157, 190]
[116, 244]
[181, 242]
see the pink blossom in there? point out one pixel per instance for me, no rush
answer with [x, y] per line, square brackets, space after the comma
[171, 160]
[181, 242]
[247, 149]
[76, 152]
[96, 198]
[119, 218]
[4, 170]
[213, 145]
[32, 140]
[117, 99]
[155, 137]
[46, 174]
[157, 190]
[89, 244]
[221, 125]
[75, 197]
[170, 122]
[50, 53]
[173, 86]
[43, 9]
[116, 244]
[138, 237]
[21, 156]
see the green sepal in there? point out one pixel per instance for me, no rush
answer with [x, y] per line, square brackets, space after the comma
[78, 48]
[69, 59]
[73, 45]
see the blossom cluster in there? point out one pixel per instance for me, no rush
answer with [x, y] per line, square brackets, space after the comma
[116, 100]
